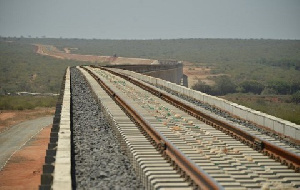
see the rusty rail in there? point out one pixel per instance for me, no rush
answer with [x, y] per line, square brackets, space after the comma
[197, 177]
[270, 149]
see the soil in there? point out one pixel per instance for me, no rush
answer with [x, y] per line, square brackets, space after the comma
[24, 169]
[196, 73]
[6, 116]
[67, 50]
[66, 54]
[9, 118]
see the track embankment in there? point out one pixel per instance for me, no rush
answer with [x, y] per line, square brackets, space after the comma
[99, 161]
[233, 157]
[126, 133]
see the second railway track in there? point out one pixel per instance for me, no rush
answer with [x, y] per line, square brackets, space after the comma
[173, 148]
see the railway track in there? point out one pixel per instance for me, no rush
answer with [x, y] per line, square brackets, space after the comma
[98, 161]
[176, 145]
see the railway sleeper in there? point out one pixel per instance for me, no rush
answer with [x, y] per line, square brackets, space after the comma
[250, 144]
[138, 155]
[253, 144]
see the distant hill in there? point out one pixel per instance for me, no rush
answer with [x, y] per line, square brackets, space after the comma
[264, 60]
[247, 66]
[193, 50]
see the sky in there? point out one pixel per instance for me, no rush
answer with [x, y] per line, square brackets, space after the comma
[151, 19]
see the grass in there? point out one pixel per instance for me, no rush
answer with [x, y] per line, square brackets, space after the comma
[21, 69]
[26, 102]
[278, 106]
[259, 60]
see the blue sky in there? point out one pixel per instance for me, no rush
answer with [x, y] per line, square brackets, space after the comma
[151, 19]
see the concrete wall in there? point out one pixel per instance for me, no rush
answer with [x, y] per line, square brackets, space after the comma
[172, 75]
[57, 167]
[279, 125]
[167, 70]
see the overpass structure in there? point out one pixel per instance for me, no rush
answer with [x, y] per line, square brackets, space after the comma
[174, 137]
[168, 70]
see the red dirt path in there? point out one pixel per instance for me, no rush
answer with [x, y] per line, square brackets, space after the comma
[24, 169]
[54, 52]
[9, 118]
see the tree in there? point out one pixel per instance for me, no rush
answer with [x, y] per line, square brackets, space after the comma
[295, 86]
[281, 87]
[296, 97]
[252, 86]
[202, 86]
[224, 85]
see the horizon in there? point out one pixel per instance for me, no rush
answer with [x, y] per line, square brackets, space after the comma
[146, 20]
[37, 37]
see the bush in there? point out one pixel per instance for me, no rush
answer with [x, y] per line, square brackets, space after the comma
[202, 86]
[268, 91]
[26, 102]
[281, 87]
[252, 86]
[224, 85]
[296, 97]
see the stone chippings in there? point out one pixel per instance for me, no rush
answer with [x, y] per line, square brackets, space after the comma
[99, 161]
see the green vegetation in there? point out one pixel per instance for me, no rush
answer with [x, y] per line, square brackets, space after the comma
[254, 67]
[225, 85]
[216, 51]
[26, 102]
[243, 60]
[296, 97]
[21, 69]
[203, 87]
[279, 106]
[251, 86]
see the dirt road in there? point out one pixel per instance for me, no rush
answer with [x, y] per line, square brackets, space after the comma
[54, 52]
[14, 138]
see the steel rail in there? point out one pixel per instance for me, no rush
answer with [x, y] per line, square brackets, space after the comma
[189, 170]
[268, 148]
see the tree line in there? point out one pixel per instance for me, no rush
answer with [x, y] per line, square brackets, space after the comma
[225, 85]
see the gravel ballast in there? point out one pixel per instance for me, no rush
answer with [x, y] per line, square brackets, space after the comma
[98, 160]
[229, 117]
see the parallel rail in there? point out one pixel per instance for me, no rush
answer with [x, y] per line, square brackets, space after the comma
[275, 152]
[193, 173]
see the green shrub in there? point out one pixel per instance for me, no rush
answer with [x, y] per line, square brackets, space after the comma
[252, 86]
[281, 87]
[224, 85]
[281, 109]
[202, 87]
[26, 102]
[296, 97]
